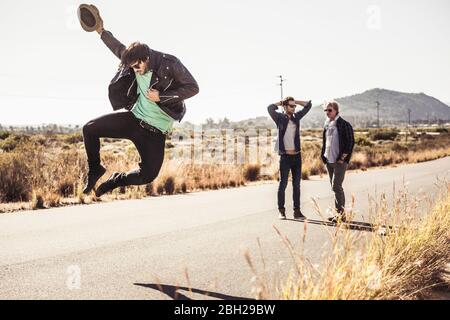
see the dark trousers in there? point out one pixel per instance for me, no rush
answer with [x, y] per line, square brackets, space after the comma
[124, 125]
[292, 163]
[336, 171]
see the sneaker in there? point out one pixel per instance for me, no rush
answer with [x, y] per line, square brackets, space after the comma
[92, 178]
[338, 218]
[298, 214]
[282, 214]
[108, 185]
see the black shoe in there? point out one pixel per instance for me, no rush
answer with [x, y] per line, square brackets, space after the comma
[338, 218]
[108, 185]
[282, 215]
[92, 178]
[298, 214]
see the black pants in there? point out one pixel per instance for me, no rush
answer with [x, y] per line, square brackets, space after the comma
[125, 125]
[291, 163]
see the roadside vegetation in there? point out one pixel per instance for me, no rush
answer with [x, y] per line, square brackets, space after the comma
[408, 261]
[47, 170]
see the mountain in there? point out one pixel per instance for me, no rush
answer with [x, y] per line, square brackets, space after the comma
[361, 108]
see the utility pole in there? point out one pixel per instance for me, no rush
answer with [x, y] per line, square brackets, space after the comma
[409, 125]
[378, 114]
[281, 86]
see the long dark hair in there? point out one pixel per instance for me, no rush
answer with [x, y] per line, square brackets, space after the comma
[135, 52]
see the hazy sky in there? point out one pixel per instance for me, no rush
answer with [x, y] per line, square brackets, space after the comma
[54, 72]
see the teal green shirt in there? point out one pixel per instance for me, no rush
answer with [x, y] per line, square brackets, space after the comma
[148, 110]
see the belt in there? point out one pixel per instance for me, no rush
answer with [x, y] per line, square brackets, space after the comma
[150, 128]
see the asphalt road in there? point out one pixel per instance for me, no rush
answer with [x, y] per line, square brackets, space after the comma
[184, 246]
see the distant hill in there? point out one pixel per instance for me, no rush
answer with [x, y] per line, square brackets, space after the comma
[361, 108]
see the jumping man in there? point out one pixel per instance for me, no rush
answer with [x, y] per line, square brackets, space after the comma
[163, 83]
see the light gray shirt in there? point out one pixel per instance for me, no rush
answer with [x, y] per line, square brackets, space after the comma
[332, 141]
[289, 136]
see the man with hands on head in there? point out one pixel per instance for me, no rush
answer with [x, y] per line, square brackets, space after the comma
[162, 83]
[289, 148]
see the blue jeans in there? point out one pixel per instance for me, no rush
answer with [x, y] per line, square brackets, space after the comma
[291, 163]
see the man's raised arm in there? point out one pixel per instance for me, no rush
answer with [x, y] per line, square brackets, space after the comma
[112, 43]
[306, 107]
[272, 109]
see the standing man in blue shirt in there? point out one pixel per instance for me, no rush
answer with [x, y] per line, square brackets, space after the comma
[289, 149]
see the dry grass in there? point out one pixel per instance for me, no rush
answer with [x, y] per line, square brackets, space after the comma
[403, 263]
[54, 167]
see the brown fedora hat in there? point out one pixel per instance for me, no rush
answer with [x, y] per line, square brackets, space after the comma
[89, 17]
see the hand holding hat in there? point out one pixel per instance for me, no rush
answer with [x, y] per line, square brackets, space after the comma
[89, 18]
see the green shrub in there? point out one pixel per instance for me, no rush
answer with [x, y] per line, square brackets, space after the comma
[12, 142]
[4, 135]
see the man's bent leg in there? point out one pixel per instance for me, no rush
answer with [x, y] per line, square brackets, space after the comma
[151, 147]
[114, 125]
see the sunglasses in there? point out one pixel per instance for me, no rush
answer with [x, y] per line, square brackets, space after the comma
[328, 110]
[135, 66]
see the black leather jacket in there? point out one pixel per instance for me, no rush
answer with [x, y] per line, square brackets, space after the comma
[346, 140]
[170, 77]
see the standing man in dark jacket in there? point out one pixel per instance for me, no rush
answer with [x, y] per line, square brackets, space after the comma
[289, 149]
[162, 84]
[337, 147]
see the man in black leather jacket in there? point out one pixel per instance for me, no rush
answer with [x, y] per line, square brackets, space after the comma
[161, 84]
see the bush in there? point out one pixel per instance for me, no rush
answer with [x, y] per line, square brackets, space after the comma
[184, 187]
[12, 142]
[397, 147]
[440, 130]
[149, 189]
[4, 135]
[386, 134]
[363, 141]
[37, 201]
[15, 181]
[66, 188]
[160, 189]
[73, 138]
[169, 185]
[252, 172]
[305, 173]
